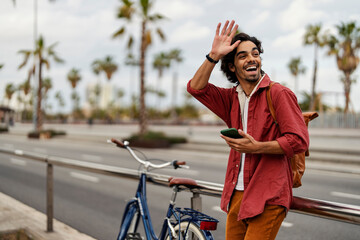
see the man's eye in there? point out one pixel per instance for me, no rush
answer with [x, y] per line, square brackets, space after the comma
[242, 56]
[256, 54]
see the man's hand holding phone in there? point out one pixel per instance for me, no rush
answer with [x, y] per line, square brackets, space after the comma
[239, 140]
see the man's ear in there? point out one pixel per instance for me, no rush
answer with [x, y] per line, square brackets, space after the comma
[231, 67]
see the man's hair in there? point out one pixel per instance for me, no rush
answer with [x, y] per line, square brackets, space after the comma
[229, 58]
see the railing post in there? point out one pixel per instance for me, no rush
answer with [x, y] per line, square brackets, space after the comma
[196, 202]
[49, 197]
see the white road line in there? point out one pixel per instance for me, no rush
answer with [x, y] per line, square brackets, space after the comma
[92, 158]
[18, 162]
[40, 150]
[345, 195]
[84, 177]
[287, 224]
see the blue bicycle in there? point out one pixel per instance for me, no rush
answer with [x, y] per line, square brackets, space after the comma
[179, 223]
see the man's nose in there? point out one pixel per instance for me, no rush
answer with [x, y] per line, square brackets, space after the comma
[250, 59]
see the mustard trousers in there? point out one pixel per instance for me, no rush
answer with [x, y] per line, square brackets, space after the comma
[261, 227]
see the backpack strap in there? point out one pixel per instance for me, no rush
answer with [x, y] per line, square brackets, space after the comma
[269, 101]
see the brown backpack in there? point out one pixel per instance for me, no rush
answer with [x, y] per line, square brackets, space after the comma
[298, 160]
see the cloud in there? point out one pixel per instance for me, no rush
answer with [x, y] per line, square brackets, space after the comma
[178, 9]
[261, 17]
[269, 3]
[298, 14]
[290, 41]
[189, 31]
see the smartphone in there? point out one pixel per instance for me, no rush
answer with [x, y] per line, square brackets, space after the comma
[231, 132]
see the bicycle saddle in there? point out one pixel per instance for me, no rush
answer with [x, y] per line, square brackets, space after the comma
[187, 182]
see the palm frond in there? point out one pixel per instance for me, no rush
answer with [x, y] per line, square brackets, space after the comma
[27, 54]
[161, 34]
[119, 33]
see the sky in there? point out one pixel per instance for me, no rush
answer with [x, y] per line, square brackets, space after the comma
[83, 29]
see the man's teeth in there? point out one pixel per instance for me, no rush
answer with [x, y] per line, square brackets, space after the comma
[251, 68]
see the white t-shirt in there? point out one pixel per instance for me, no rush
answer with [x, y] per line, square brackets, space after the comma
[244, 107]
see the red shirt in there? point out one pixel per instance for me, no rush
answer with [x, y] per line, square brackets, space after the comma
[267, 177]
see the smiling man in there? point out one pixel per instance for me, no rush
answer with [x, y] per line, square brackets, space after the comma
[258, 184]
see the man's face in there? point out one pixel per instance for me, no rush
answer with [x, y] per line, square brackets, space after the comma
[247, 62]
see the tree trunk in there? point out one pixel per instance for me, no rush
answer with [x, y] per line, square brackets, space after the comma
[312, 105]
[347, 87]
[39, 120]
[143, 120]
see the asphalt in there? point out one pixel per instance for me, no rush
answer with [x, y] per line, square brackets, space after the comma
[331, 150]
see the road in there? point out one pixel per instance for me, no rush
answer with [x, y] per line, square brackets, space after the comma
[94, 203]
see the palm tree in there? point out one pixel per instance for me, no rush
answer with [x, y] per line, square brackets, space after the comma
[345, 46]
[1, 66]
[312, 37]
[9, 91]
[296, 68]
[25, 88]
[74, 77]
[107, 66]
[60, 99]
[160, 63]
[47, 85]
[42, 55]
[128, 11]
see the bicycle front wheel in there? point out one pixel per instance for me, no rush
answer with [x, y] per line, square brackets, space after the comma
[193, 231]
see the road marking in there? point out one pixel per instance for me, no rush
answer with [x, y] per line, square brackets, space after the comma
[18, 162]
[92, 158]
[345, 195]
[84, 177]
[287, 224]
[40, 150]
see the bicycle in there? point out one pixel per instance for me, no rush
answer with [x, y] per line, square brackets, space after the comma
[179, 223]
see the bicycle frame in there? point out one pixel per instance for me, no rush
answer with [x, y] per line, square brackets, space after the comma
[140, 204]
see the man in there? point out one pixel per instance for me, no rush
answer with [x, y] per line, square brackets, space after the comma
[258, 184]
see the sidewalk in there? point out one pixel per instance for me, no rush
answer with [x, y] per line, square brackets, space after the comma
[15, 215]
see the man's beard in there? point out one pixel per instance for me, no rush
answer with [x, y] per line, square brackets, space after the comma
[253, 79]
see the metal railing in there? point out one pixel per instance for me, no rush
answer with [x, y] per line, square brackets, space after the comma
[325, 209]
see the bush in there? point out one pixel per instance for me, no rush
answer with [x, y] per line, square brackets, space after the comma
[45, 133]
[4, 129]
[154, 140]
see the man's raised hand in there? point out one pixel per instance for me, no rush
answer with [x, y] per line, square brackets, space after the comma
[222, 41]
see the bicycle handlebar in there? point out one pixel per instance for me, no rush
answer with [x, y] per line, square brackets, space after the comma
[118, 143]
[176, 164]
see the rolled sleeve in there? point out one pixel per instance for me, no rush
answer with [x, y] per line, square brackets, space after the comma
[196, 92]
[291, 144]
[285, 146]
